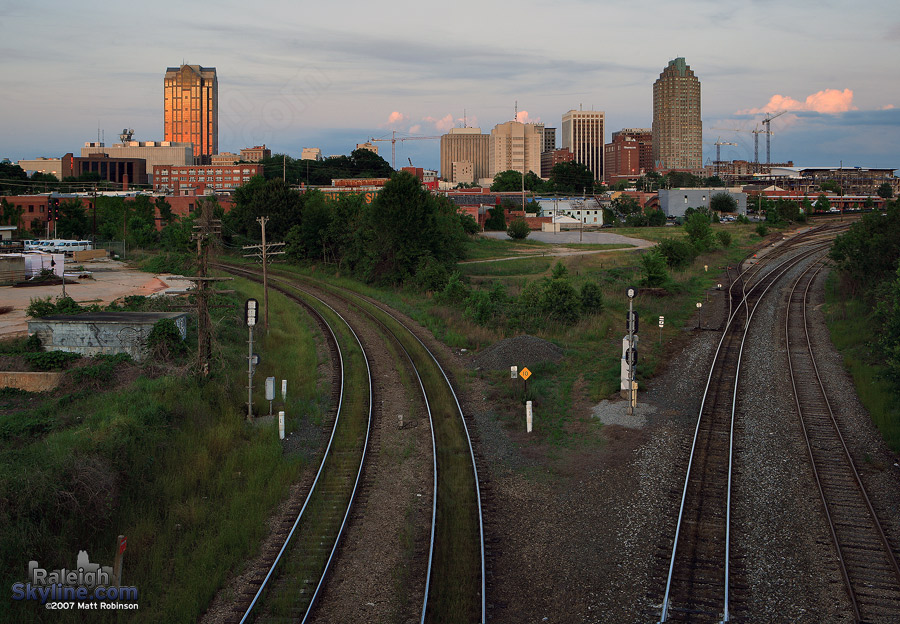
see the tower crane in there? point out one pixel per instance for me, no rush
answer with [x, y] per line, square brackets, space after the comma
[719, 143]
[767, 122]
[755, 132]
[394, 138]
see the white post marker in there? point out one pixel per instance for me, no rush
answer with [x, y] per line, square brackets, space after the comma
[662, 321]
[270, 392]
[283, 390]
[528, 416]
[281, 425]
[513, 372]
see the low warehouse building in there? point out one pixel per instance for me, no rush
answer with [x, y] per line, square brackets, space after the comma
[106, 333]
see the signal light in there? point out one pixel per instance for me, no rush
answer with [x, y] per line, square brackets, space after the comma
[631, 322]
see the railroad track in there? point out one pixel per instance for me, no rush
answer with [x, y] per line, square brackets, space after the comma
[455, 584]
[867, 561]
[699, 582]
[309, 546]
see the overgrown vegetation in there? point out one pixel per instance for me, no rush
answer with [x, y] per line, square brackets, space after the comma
[865, 319]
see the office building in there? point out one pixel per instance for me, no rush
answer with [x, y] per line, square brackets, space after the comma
[191, 109]
[203, 179]
[582, 134]
[311, 153]
[465, 145]
[515, 146]
[368, 145]
[549, 140]
[124, 171]
[677, 129]
[551, 158]
[256, 153]
[628, 156]
[153, 152]
[42, 164]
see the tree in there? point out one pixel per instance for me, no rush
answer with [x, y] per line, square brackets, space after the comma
[627, 208]
[885, 191]
[699, 231]
[655, 216]
[518, 229]
[571, 177]
[507, 181]
[265, 198]
[723, 202]
[164, 208]
[680, 179]
[822, 203]
[407, 223]
[9, 214]
[496, 220]
[830, 185]
[713, 182]
[654, 265]
[73, 220]
[314, 226]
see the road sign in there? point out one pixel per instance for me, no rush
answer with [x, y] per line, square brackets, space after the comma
[513, 372]
[122, 544]
[662, 321]
[525, 374]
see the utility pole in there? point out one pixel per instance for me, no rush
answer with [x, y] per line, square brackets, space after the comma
[206, 231]
[263, 254]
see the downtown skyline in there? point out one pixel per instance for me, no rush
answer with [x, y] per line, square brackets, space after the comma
[314, 76]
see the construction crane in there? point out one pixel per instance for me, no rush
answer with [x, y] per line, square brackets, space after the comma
[767, 122]
[719, 143]
[394, 138]
[755, 132]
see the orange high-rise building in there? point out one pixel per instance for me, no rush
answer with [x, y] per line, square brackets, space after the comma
[192, 109]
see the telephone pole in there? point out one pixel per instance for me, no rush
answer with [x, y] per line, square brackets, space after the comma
[206, 231]
[262, 252]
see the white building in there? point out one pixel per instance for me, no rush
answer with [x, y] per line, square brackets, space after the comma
[582, 133]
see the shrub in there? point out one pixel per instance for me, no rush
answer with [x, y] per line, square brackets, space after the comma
[455, 291]
[61, 305]
[762, 229]
[518, 229]
[50, 360]
[431, 275]
[742, 218]
[164, 341]
[591, 298]
[560, 302]
[469, 224]
[496, 220]
[654, 265]
[724, 238]
[699, 231]
[103, 367]
[480, 308]
[678, 253]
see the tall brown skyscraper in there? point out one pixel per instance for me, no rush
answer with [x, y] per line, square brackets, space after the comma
[192, 108]
[677, 129]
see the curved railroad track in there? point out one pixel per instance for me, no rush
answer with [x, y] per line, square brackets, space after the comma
[455, 584]
[309, 546]
[867, 561]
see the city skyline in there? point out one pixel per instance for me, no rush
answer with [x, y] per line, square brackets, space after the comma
[319, 77]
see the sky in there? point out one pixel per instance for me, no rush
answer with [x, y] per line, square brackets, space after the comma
[295, 74]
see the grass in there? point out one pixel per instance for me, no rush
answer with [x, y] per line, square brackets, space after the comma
[850, 325]
[169, 462]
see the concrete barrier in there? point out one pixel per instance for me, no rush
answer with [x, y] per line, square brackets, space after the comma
[32, 382]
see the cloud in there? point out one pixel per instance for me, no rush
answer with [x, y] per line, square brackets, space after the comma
[522, 117]
[416, 129]
[825, 101]
[886, 107]
[443, 124]
[394, 118]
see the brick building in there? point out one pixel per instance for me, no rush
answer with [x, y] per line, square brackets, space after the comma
[628, 156]
[203, 179]
[123, 171]
[255, 153]
[551, 158]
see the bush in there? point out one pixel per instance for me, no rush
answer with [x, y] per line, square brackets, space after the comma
[454, 291]
[18, 346]
[103, 367]
[742, 218]
[724, 238]
[496, 220]
[655, 274]
[591, 298]
[469, 224]
[50, 360]
[164, 341]
[762, 229]
[518, 229]
[560, 302]
[61, 305]
[431, 275]
[678, 253]
[480, 308]
[699, 231]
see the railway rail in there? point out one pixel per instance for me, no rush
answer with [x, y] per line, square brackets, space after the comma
[455, 585]
[310, 545]
[866, 558]
[699, 581]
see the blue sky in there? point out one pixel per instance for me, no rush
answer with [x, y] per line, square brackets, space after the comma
[329, 75]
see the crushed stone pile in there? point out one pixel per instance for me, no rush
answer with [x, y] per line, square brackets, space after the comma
[518, 351]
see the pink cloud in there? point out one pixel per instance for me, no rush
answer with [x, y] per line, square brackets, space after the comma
[395, 118]
[887, 107]
[443, 124]
[415, 129]
[825, 101]
[522, 117]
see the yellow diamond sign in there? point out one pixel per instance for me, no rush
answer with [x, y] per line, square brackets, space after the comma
[525, 373]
